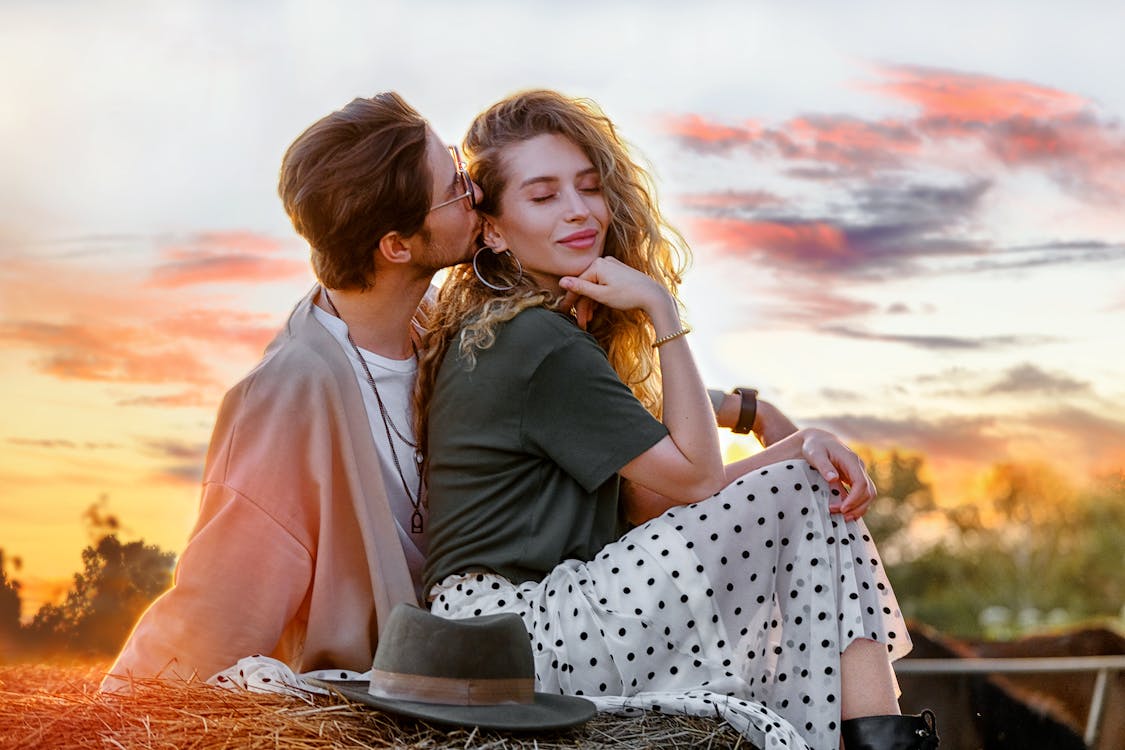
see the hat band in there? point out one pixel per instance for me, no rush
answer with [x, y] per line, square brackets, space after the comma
[451, 691]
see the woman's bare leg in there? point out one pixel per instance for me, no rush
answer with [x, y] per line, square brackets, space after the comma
[866, 681]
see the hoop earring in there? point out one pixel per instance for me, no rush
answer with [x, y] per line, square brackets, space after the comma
[490, 285]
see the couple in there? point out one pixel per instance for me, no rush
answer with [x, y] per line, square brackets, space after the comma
[553, 394]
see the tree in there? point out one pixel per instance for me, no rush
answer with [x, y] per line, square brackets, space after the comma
[10, 604]
[118, 582]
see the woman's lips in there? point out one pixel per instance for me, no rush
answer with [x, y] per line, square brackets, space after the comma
[582, 240]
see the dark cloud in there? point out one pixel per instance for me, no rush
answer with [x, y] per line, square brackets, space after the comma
[963, 438]
[1027, 378]
[893, 227]
[937, 342]
[62, 443]
[185, 460]
[175, 449]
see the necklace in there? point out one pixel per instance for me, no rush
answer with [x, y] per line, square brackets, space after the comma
[416, 520]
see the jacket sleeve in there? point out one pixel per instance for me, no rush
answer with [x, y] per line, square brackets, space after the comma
[240, 581]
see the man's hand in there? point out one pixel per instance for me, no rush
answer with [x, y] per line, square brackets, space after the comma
[842, 469]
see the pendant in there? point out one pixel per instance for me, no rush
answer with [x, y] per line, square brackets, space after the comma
[416, 522]
[417, 456]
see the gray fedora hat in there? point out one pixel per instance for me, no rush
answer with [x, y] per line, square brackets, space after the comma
[473, 672]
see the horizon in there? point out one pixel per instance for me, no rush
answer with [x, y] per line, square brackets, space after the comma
[908, 232]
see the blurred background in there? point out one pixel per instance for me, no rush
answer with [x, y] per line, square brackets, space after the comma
[907, 223]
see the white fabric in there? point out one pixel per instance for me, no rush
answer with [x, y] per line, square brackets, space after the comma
[395, 379]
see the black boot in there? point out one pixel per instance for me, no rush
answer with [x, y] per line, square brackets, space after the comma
[891, 732]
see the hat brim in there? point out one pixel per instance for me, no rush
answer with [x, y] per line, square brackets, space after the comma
[546, 713]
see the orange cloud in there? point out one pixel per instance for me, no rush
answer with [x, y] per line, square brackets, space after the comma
[703, 133]
[225, 257]
[84, 317]
[970, 96]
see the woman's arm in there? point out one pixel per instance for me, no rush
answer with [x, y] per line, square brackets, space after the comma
[839, 465]
[687, 465]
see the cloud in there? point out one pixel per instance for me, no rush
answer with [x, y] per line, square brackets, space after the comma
[730, 201]
[961, 438]
[937, 342]
[184, 460]
[230, 257]
[1012, 124]
[804, 304]
[84, 319]
[106, 353]
[971, 97]
[62, 443]
[1027, 378]
[895, 228]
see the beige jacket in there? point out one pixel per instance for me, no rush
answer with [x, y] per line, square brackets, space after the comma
[295, 553]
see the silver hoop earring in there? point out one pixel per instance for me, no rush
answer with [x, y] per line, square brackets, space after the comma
[489, 284]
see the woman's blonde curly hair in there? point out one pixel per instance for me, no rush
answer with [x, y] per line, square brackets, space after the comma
[637, 235]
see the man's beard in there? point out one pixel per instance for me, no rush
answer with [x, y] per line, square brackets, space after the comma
[438, 256]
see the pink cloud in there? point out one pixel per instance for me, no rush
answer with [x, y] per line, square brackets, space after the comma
[816, 242]
[1015, 123]
[227, 257]
[974, 97]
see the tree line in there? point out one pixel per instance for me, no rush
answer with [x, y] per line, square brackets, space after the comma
[1036, 552]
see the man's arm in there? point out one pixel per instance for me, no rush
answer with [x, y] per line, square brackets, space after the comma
[239, 583]
[770, 424]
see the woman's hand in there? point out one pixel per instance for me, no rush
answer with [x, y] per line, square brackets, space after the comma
[610, 282]
[842, 469]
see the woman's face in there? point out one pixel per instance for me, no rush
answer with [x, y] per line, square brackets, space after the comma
[553, 216]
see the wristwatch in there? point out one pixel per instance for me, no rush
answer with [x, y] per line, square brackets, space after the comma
[747, 412]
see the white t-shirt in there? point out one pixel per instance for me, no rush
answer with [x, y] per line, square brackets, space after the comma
[395, 379]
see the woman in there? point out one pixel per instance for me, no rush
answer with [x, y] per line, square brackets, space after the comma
[758, 592]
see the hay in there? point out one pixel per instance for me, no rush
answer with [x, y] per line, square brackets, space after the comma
[59, 707]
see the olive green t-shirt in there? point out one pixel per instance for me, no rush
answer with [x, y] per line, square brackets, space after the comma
[524, 451]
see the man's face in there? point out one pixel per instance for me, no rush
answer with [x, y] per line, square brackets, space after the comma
[451, 230]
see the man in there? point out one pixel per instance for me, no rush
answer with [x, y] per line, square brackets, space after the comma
[312, 522]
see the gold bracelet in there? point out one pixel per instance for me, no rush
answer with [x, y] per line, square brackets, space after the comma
[665, 339]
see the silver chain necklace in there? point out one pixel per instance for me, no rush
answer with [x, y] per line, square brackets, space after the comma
[416, 520]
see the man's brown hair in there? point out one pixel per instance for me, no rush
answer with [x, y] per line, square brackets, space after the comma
[351, 178]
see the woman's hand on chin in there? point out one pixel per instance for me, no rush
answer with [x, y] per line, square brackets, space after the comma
[843, 470]
[610, 282]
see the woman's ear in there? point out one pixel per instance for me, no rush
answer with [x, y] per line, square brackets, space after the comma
[492, 236]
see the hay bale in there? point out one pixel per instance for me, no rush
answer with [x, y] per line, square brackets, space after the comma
[56, 706]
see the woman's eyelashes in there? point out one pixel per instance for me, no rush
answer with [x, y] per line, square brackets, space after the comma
[587, 190]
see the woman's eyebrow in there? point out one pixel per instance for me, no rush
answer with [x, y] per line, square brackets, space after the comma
[537, 180]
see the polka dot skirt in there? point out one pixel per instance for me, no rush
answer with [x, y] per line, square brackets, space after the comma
[745, 599]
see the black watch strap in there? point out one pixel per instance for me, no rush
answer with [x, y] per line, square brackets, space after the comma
[747, 411]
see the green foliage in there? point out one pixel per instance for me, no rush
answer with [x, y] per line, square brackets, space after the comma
[118, 582]
[1035, 547]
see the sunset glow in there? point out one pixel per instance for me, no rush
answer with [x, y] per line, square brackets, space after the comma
[911, 244]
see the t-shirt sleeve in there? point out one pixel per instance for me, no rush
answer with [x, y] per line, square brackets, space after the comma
[580, 414]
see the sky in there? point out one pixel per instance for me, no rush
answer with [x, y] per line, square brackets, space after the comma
[906, 218]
